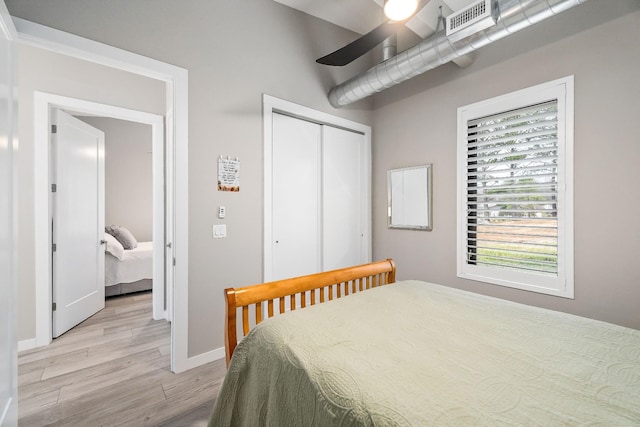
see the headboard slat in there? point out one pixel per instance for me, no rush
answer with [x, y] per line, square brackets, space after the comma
[245, 319]
[258, 312]
[270, 308]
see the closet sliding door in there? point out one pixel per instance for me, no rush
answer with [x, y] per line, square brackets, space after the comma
[296, 197]
[319, 207]
[342, 198]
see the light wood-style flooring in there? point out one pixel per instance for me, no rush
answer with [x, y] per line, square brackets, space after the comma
[114, 370]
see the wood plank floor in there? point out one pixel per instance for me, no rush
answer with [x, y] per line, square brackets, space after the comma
[114, 370]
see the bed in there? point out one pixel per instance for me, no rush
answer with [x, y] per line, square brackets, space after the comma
[417, 353]
[127, 271]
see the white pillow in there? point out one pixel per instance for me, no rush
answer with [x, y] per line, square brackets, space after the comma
[114, 247]
[123, 235]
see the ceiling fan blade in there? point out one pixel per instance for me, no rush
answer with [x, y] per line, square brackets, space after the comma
[362, 45]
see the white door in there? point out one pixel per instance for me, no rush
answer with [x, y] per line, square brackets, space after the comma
[343, 201]
[319, 198]
[78, 221]
[296, 197]
[8, 297]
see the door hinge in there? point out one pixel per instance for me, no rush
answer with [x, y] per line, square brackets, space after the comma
[54, 188]
[53, 306]
[54, 247]
[174, 262]
[54, 129]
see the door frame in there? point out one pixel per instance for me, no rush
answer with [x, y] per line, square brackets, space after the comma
[44, 104]
[270, 105]
[8, 281]
[176, 81]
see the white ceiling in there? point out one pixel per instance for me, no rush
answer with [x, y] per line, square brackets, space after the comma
[361, 16]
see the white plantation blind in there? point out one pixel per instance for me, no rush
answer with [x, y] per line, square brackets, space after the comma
[512, 189]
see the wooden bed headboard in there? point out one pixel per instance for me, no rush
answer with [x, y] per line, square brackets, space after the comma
[298, 292]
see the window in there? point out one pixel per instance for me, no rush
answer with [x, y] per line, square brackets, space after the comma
[515, 189]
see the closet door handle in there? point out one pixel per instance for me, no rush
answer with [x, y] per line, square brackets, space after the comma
[169, 245]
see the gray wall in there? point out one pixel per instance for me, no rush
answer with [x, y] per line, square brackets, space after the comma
[76, 79]
[237, 50]
[128, 175]
[234, 51]
[416, 123]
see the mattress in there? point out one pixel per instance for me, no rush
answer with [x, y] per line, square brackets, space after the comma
[416, 354]
[136, 264]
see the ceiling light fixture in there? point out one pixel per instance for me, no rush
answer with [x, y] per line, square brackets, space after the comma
[399, 10]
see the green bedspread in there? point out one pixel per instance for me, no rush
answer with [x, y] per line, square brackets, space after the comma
[419, 354]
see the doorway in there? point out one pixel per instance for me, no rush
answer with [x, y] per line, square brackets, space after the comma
[127, 195]
[177, 153]
[45, 104]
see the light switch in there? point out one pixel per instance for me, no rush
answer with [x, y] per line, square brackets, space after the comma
[219, 231]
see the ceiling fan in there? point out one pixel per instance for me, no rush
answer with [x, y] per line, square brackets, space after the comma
[398, 12]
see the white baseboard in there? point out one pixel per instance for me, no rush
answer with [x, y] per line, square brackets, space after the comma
[204, 358]
[28, 344]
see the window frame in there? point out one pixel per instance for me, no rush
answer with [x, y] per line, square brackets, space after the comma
[562, 283]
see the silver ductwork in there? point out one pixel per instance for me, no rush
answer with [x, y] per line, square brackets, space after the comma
[514, 15]
[390, 47]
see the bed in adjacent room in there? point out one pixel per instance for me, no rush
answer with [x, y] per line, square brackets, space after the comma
[127, 270]
[415, 353]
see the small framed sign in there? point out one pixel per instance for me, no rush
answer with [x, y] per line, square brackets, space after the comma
[228, 174]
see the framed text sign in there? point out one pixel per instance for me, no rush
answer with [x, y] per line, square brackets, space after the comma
[228, 174]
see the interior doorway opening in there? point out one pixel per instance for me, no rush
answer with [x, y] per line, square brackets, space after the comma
[177, 154]
[45, 104]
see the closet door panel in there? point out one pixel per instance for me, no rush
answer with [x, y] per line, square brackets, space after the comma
[296, 197]
[342, 189]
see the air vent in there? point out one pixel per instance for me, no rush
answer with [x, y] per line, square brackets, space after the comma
[473, 18]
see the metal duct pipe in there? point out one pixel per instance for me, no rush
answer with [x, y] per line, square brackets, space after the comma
[390, 47]
[514, 15]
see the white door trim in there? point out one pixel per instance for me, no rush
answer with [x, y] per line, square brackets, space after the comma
[8, 286]
[272, 104]
[44, 103]
[176, 80]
